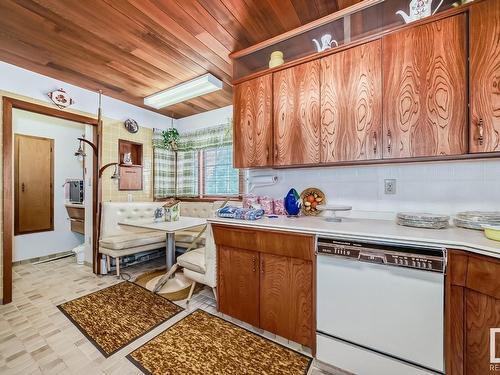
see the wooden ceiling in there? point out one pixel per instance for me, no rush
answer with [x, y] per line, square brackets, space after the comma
[133, 48]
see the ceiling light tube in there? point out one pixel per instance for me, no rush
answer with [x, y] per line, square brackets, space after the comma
[202, 85]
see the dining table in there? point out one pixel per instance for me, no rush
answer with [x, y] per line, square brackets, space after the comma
[169, 228]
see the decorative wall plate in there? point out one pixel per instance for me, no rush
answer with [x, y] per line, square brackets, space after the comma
[131, 125]
[60, 98]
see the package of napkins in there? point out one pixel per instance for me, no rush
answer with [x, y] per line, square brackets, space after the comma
[232, 212]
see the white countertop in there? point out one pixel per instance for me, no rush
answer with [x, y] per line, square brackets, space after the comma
[372, 229]
[74, 205]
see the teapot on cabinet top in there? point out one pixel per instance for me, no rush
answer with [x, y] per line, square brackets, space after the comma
[326, 42]
[419, 9]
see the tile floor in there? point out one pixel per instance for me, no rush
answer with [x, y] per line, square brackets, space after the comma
[36, 338]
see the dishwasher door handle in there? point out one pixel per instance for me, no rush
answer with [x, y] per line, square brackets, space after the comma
[372, 258]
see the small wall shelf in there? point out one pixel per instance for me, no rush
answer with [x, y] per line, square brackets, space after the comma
[130, 174]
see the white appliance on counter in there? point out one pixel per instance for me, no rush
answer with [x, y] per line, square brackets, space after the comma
[380, 307]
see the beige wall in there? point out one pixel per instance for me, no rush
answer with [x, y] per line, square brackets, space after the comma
[113, 131]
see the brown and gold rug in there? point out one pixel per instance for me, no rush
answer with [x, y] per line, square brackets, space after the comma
[113, 317]
[202, 343]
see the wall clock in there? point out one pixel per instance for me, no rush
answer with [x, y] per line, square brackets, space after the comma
[131, 125]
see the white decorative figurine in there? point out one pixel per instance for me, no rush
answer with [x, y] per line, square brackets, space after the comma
[418, 9]
[326, 42]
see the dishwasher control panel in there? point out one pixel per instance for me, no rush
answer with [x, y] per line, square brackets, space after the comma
[400, 255]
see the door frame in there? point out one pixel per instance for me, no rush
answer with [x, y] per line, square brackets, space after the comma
[16, 185]
[9, 104]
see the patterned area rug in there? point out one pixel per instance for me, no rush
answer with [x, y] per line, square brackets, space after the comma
[202, 343]
[113, 317]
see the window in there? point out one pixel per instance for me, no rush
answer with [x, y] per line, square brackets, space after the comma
[219, 176]
[202, 166]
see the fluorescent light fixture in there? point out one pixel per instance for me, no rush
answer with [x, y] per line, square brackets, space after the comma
[187, 90]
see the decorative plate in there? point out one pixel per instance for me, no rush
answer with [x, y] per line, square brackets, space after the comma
[131, 125]
[311, 198]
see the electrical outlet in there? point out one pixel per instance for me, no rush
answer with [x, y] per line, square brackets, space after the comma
[390, 186]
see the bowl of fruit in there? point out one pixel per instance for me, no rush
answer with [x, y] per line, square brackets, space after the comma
[311, 199]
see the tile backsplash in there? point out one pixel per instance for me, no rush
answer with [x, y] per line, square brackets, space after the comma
[441, 187]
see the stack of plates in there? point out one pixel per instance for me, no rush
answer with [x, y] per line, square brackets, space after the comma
[475, 219]
[423, 220]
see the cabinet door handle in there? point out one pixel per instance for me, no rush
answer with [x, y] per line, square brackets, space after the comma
[23, 189]
[480, 126]
[389, 141]
[375, 143]
[254, 264]
[262, 266]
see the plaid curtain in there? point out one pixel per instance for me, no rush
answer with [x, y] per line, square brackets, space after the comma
[187, 173]
[215, 136]
[187, 159]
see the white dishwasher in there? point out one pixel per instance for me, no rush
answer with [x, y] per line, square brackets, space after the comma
[380, 307]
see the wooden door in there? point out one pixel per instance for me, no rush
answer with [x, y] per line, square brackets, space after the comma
[425, 90]
[253, 131]
[286, 302]
[351, 104]
[482, 313]
[238, 287]
[296, 115]
[33, 184]
[484, 41]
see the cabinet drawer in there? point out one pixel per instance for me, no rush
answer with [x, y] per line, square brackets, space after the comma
[235, 237]
[482, 276]
[286, 244]
[78, 226]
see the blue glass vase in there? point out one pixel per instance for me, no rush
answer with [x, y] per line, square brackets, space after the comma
[292, 203]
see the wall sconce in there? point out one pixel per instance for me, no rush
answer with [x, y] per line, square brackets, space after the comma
[116, 172]
[80, 153]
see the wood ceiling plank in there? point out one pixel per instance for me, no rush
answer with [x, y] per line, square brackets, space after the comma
[285, 13]
[211, 24]
[326, 6]
[228, 21]
[133, 48]
[242, 12]
[177, 34]
[307, 11]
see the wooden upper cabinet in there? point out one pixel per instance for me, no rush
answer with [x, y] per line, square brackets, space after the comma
[484, 76]
[351, 104]
[425, 90]
[296, 115]
[253, 132]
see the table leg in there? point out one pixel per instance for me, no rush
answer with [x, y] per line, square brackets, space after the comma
[170, 250]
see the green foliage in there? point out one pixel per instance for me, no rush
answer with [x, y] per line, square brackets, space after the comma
[170, 138]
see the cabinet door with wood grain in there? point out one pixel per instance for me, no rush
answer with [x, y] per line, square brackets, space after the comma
[296, 115]
[482, 314]
[484, 135]
[238, 286]
[351, 104]
[286, 297]
[253, 132]
[425, 90]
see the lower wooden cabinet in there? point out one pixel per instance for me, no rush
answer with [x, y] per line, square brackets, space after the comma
[285, 297]
[238, 286]
[269, 285]
[472, 310]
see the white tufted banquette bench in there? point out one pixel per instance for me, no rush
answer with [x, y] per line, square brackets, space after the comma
[117, 240]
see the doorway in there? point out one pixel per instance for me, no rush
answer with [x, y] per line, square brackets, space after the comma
[8, 223]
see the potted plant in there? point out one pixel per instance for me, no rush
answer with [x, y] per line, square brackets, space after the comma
[170, 138]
